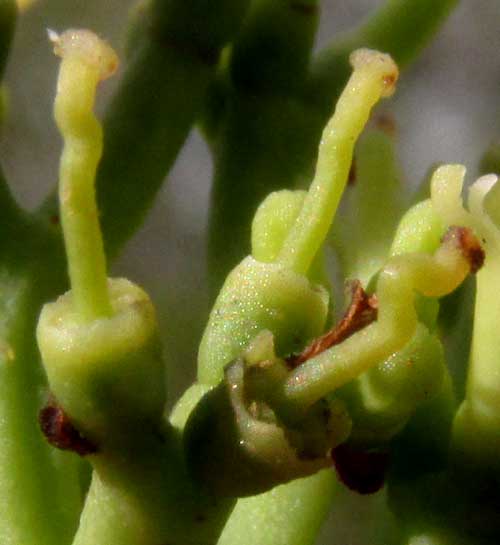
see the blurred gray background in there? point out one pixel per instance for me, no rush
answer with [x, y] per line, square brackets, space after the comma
[447, 108]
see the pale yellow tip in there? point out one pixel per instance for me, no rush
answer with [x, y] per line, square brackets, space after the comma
[88, 47]
[382, 63]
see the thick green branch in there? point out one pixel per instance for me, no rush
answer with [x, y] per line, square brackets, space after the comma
[40, 489]
[263, 136]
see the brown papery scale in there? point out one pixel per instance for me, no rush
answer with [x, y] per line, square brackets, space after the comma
[60, 432]
[361, 312]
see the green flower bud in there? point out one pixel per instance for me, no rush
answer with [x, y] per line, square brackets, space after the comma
[108, 374]
[258, 296]
[277, 295]
[239, 443]
[382, 400]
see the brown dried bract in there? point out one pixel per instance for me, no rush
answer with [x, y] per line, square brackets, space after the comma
[361, 312]
[468, 244]
[60, 432]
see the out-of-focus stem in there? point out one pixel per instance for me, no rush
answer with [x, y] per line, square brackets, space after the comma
[264, 137]
[13, 217]
[363, 230]
[8, 15]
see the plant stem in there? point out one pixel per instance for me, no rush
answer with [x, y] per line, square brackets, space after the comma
[363, 230]
[263, 134]
[40, 489]
[78, 79]
[290, 514]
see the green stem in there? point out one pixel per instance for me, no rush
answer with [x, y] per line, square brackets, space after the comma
[479, 413]
[82, 152]
[263, 134]
[41, 495]
[290, 514]
[142, 494]
[363, 230]
[400, 27]
[374, 76]
[273, 49]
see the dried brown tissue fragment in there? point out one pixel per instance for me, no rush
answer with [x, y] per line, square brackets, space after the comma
[361, 312]
[60, 432]
[468, 244]
[361, 470]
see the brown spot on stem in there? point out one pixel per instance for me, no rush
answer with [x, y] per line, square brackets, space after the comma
[468, 244]
[361, 470]
[54, 219]
[390, 80]
[361, 312]
[60, 432]
[304, 8]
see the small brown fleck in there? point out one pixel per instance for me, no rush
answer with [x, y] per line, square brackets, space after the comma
[54, 219]
[361, 312]
[362, 471]
[468, 244]
[60, 432]
[390, 80]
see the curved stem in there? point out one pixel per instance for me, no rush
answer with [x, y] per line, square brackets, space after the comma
[432, 276]
[78, 78]
[374, 76]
